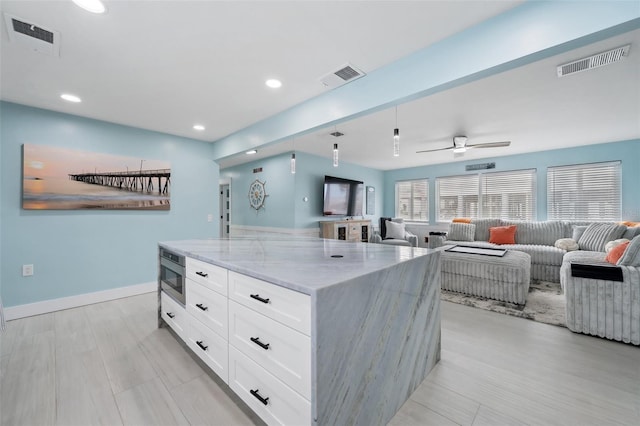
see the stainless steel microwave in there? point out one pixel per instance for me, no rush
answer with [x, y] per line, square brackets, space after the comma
[173, 275]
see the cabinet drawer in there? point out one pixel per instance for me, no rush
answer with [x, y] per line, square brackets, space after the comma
[174, 315]
[281, 304]
[208, 306]
[281, 350]
[210, 276]
[280, 405]
[210, 347]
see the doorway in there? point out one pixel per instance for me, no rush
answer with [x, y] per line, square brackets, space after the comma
[225, 209]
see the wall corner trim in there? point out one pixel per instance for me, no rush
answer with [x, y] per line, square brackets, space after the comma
[47, 306]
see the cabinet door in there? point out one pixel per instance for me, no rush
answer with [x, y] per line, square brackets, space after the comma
[208, 275]
[209, 307]
[281, 350]
[174, 315]
[281, 304]
[272, 400]
[210, 347]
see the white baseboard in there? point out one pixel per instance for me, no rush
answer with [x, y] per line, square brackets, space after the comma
[46, 306]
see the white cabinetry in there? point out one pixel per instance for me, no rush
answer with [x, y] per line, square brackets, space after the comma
[255, 335]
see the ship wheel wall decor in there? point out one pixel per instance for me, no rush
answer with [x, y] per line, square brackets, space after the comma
[257, 194]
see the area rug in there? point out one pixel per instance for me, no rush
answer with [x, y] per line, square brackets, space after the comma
[545, 303]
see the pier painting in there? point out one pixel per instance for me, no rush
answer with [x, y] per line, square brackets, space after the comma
[64, 179]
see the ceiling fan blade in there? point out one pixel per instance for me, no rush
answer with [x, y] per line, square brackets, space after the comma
[489, 144]
[434, 150]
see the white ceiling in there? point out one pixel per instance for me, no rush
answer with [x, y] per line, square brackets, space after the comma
[167, 65]
[529, 106]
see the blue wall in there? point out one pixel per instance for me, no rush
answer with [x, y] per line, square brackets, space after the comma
[285, 206]
[83, 251]
[627, 151]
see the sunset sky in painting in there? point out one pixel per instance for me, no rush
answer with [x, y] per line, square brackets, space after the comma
[48, 161]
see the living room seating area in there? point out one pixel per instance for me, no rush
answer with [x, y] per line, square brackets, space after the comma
[597, 265]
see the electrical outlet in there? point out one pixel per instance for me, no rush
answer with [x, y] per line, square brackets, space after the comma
[209, 217]
[27, 270]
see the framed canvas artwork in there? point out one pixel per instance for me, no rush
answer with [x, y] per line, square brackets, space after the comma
[56, 178]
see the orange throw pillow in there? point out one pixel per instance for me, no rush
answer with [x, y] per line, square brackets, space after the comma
[630, 224]
[461, 220]
[616, 253]
[502, 234]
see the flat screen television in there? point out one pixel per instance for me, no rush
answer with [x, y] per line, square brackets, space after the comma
[342, 197]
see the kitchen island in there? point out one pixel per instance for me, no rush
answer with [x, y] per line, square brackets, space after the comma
[311, 331]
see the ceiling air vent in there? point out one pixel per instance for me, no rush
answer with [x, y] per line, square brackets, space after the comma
[595, 61]
[345, 74]
[32, 36]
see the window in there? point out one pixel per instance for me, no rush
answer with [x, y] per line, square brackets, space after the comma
[504, 195]
[509, 195]
[412, 200]
[584, 192]
[457, 196]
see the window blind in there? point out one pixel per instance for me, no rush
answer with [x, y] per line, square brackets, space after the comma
[508, 195]
[584, 192]
[412, 200]
[457, 196]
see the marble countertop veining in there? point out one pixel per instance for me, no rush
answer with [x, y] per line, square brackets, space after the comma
[304, 264]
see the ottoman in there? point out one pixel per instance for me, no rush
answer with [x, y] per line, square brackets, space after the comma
[503, 278]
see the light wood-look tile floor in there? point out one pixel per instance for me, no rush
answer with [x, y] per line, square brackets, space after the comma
[109, 364]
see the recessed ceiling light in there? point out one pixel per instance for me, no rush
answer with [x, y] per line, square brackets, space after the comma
[251, 152]
[198, 127]
[93, 6]
[70, 98]
[273, 83]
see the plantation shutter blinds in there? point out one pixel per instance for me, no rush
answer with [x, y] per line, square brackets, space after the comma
[584, 192]
[457, 196]
[412, 200]
[509, 195]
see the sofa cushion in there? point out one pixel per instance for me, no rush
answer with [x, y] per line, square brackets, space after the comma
[482, 228]
[597, 235]
[461, 231]
[568, 244]
[545, 233]
[503, 234]
[631, 232]
[616, 253]
[631, 256]
[578, 230]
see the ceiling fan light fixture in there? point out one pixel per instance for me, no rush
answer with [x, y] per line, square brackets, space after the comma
[459, 141]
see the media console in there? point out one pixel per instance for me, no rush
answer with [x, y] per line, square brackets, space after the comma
[347, 230]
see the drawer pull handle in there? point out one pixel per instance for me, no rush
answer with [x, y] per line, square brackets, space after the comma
[257, 297]
[203, 347]
[199, 305]
[257, 341]
[255, 393]
[202, 274]
[170, 315]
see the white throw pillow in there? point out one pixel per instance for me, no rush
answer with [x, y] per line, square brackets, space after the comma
[568, 244]
[394, 230]
[611, 244]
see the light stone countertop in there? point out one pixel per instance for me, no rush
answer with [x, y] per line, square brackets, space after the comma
[304, 264]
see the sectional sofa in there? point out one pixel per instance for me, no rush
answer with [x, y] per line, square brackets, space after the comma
[602, 299]
[538, 239]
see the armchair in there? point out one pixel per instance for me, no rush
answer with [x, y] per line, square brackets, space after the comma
[396, 235]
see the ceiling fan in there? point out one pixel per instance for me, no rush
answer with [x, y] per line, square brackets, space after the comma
[460, 145]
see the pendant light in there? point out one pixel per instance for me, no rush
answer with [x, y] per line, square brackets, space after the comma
[396, 137]
[293, 163]
[335, 155]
